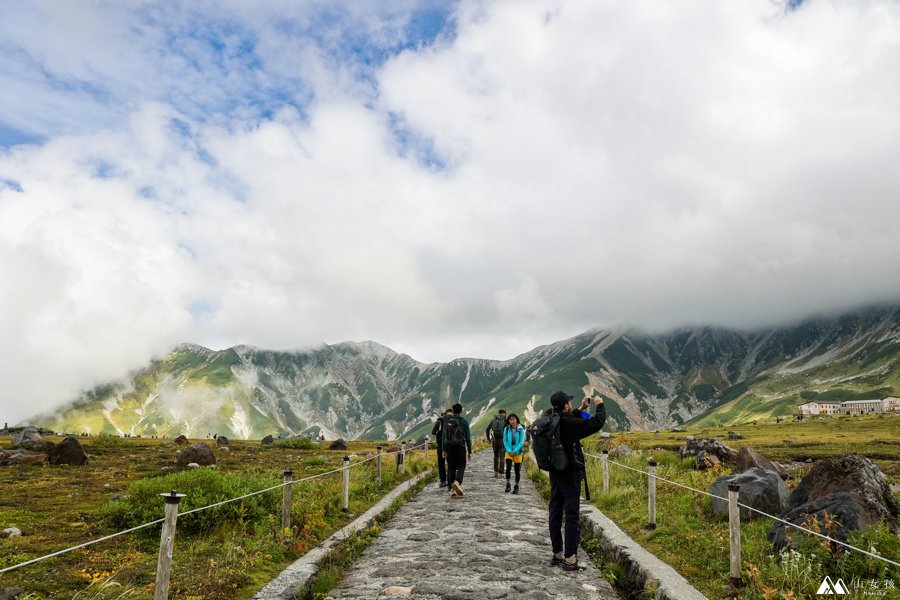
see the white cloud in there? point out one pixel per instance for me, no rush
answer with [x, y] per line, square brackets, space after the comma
[605, 162]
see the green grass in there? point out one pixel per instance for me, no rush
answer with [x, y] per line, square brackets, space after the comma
[227, 553]
[695, 542]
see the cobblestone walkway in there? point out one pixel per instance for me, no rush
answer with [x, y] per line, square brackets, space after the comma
[487, 544]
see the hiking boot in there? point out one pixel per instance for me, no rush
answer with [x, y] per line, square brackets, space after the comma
[571, 564]
[457, 489]
[515, 489]
[442, 484]
[557, 561]
[508, 487]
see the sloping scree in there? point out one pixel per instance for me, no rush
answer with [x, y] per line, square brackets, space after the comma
[851, 489]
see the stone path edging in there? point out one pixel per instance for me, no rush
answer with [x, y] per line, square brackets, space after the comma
[641, 565]
[286, 583]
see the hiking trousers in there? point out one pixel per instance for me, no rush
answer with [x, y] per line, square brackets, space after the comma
[499, 452]
[565, 497]
[442, 464]
[456, 464]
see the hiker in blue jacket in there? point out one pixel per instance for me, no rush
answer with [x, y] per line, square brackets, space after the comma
[514, 444]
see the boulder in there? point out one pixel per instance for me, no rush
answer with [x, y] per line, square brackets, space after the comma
[222, 440]
[168, 444]
[760, 488]
[30, 439]
[268, 440]
[67, 452]
[678, 430]
[704, 461]
[338, 445]
[25, 459]
[851, 489]
[734, 436]
[711, 446]
[605, 434]
[182, 440]
[422, 439]
[196, 453]
[9, 593]
[622, 450]
[11, 532]
[688, 438]
[748, 458]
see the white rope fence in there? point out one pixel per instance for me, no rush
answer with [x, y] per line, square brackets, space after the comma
[730, 500]
[286, 484]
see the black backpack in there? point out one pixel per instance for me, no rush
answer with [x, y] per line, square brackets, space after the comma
[497, 427]
[546, 443]
[453, 433]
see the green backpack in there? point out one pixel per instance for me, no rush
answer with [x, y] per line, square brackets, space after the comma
[497, 426]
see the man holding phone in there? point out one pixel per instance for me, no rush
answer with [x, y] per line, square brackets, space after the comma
[565, 484]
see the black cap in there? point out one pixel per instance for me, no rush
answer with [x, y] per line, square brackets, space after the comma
[560, 399]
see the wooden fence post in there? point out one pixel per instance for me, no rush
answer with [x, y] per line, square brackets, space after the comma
[426, 449]
[286, 502]
[651, 496]
[166, 546]
[402, 465]
[605, 461]
[346, 506]
[734, 529]
[378, 465]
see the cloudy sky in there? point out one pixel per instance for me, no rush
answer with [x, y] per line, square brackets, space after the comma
[449, 179]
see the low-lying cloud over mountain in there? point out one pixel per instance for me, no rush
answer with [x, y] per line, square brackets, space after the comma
[367, 390]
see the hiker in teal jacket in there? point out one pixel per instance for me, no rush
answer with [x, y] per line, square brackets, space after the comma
[457, 443]
[514, 444]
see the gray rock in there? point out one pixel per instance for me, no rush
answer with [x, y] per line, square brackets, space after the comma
[196, 453]
[748, 458]
[67, 452]
[423, 536]
[11, 532]
[734, 436]
[711, 446]
[182, 440]
[678, 430]
[622, 450]
[222, 440]
[268, 440]
[688, 438]
[851, 489]
[704, 461]
[760, 488]
[8, 593]
[605, 434]
[21, 458]
[193, 466]
[30, 439]
[338, 445]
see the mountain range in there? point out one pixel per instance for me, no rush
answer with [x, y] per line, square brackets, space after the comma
[692, 375]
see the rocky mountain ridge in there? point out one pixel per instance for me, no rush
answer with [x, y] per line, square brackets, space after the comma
[366, 390]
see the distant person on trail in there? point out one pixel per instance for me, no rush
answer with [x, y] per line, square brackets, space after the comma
[494, 434]
[438, 432]
[565, 484]
[457, 445]
[514, 445]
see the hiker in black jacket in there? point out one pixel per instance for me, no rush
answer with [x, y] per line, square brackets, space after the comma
[494, 434]
[438, 431]
[565, 485]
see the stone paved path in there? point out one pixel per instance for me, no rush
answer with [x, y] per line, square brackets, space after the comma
[487, 544]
